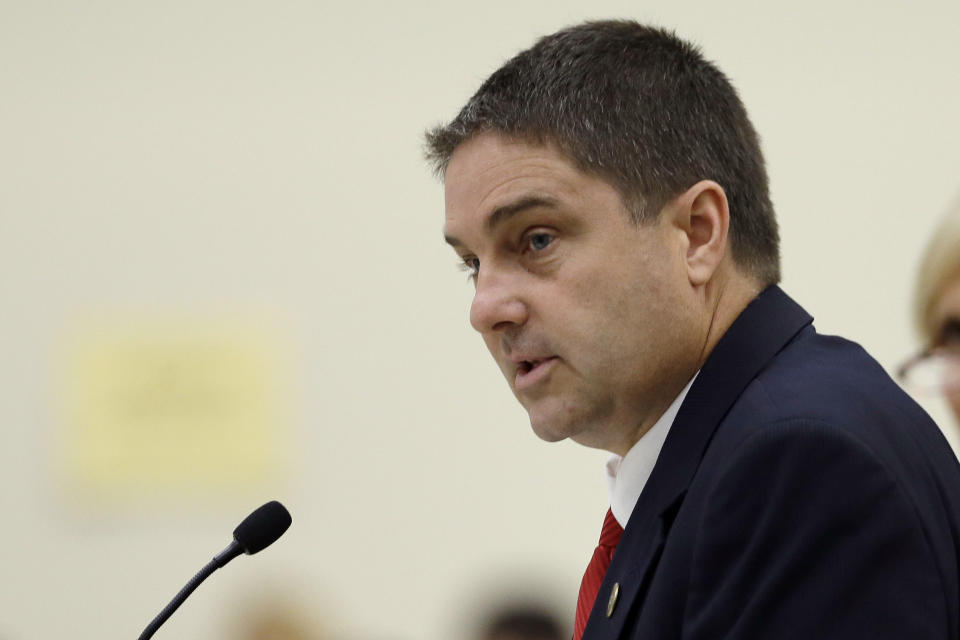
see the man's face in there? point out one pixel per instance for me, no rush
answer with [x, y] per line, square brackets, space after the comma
[585, 312]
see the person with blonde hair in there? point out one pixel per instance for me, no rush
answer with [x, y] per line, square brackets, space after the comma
[936, 315]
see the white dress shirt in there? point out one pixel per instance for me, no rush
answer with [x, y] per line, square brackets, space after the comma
[627, 475]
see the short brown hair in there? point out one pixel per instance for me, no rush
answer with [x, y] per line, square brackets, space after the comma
[640, 108]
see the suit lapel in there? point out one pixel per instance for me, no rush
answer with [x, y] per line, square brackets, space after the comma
[764, 327]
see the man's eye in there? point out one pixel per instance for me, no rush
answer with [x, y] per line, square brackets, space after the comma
[540, 241]
[471, 265]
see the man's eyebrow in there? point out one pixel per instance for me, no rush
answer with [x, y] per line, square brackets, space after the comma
[507, 211]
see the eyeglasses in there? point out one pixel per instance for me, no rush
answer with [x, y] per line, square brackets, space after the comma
[933, 371]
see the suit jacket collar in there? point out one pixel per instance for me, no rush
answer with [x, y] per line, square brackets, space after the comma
[763, 328]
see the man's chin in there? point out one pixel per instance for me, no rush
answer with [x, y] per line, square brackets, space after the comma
[554, 418]
[548, 435]
[548, 428]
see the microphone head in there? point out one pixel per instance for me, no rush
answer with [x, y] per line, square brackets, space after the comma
[261, 528]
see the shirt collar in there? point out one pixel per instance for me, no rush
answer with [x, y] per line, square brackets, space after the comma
[627, 475]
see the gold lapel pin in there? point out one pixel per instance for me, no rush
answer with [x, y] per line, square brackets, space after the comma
[612, 602]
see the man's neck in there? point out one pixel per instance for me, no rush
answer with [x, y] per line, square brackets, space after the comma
[724, 300]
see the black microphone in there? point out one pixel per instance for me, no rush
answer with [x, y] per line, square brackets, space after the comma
[258, 531]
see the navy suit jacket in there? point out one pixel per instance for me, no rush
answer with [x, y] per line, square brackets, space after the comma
[799, 494]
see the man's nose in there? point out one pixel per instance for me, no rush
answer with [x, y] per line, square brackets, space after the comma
[496, 303]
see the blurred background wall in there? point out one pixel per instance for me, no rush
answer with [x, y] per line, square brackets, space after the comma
[222, 281]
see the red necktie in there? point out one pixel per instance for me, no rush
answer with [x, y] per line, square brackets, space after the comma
[593, 577]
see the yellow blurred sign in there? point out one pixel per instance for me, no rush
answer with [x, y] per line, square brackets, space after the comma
[167, 405]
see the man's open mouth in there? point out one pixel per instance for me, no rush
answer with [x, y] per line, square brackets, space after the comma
[527, 365]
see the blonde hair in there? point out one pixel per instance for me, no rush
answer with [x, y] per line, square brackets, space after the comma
[941, 262]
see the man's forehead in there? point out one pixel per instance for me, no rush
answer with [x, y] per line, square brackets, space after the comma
[476, 153]
[474, 165]
[491, 171]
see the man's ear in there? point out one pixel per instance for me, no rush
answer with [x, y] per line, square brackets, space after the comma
[703, 214]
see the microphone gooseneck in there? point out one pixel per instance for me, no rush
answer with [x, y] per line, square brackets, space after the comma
[257, 531]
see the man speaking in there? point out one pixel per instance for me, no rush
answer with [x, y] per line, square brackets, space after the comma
[607, 193]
